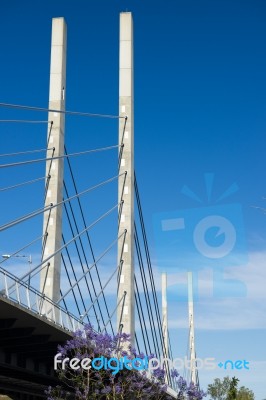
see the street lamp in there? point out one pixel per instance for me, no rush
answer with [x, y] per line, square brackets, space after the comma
[7, 256]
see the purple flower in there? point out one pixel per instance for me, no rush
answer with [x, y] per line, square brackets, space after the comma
[174, 373]
[102, 383]
[106, 390]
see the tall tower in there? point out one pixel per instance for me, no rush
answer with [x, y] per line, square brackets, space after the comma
[165, 322]
[164, 313]
[125, 310]
[191, 329]
[52, 223]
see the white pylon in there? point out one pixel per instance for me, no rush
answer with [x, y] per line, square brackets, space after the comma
[165, 321]
[126, 309]
[52, 221]
[191, 330]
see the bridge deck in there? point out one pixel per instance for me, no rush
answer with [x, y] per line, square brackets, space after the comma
[28, 342]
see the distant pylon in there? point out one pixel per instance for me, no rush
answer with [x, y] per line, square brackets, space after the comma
[191, 330]
[165, 322]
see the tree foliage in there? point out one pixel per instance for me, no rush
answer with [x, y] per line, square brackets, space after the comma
[128, 384]
[232, 392]
[245, 394]
[219, 389]
[226, 389]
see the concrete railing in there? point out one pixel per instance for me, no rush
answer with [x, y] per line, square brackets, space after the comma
[12, 288]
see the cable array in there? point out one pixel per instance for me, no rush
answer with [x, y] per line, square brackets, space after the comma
[84, 291]
[65, 245]
[76, 283]
[24, 121]
[38, 160]
[22, 184]
[51, 206]
[41, 109]
[22, 153]
[149, 290]
[87, 237]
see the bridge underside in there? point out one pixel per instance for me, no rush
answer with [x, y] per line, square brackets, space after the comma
[28, 343]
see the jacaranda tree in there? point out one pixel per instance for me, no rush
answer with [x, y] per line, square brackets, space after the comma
[109, 379]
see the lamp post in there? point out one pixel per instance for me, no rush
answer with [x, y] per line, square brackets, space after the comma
[7, 256]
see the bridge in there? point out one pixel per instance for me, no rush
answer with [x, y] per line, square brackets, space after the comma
[76, 244]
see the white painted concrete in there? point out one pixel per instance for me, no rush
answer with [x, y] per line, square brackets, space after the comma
[126, 99]
[50, 277]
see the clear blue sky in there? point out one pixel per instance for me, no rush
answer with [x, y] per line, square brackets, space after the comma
[200, 107]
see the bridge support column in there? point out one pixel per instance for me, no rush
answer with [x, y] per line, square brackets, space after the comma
[52, 223]
[191, 329]
[126, 309]
[164, 313]
[165, 323]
